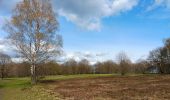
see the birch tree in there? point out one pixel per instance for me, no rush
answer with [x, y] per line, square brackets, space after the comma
[32, 29]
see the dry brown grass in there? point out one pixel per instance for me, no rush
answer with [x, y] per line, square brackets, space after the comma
[0, 93]
[115, 88]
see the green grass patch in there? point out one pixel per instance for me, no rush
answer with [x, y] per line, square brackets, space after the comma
[15, 83]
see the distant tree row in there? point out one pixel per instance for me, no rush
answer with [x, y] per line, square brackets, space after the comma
[4, 61]
[160, 57]
[71, 67]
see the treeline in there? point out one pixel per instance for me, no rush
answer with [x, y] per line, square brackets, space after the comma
[160, 57]
[158, 61]
[72, 67]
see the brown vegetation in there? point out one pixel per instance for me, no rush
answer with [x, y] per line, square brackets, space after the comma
[115, 88]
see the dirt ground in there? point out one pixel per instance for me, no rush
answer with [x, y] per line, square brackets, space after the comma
[115, 88]
[1, 94]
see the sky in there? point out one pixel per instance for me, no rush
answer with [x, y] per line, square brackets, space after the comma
[98, 30]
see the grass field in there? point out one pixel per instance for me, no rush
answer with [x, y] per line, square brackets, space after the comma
[88, 87]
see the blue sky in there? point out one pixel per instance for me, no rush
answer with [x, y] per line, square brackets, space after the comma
[99, 29]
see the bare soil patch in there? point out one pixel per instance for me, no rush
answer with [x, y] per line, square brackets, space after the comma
[115, 88]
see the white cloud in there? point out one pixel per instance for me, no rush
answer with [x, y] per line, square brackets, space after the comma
[159, 3]
[88, 14]
[90, 56]
[6, 47]
[3, 46]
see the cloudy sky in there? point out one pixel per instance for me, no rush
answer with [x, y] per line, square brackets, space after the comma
[99, 29]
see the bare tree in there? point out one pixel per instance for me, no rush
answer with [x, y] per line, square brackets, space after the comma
[84, 67]
[107, 67]
[4, 60]
[140, 66]
[71, 66]
[124, 62]
[32, 29]
[160, 57]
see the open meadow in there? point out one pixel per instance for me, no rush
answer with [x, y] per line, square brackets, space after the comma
[84, 49]
[88, 87]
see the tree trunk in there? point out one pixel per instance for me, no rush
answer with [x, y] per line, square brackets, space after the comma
[33, 74]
